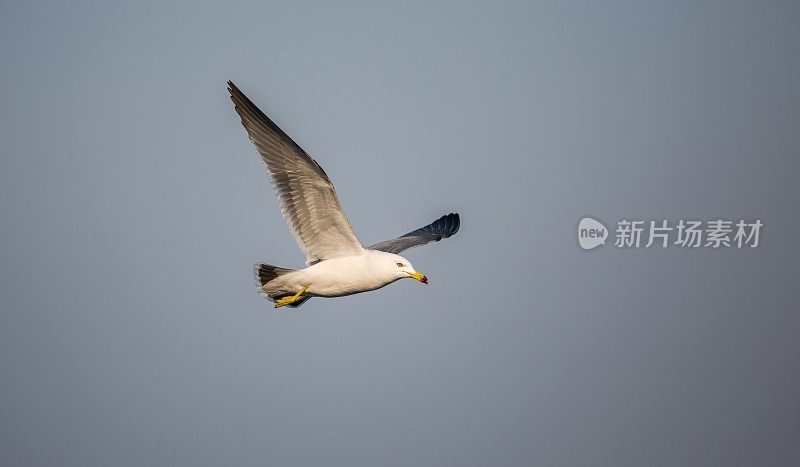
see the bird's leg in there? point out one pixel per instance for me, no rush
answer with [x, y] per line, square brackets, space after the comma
[289, 300]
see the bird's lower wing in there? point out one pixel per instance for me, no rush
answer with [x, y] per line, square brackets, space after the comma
[444, 227]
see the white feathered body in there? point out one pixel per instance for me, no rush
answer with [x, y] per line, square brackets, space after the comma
[337, 277]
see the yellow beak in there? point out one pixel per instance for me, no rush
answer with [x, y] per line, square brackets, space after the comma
[418, 276]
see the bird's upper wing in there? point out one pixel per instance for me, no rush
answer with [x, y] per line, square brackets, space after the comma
[308, 199]
[443, 227]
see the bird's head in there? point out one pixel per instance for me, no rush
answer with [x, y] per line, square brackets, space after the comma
[400, 268]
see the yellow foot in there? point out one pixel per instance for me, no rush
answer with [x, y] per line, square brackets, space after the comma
[289, 300]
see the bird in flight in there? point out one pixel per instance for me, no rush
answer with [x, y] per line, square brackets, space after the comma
[337, 263]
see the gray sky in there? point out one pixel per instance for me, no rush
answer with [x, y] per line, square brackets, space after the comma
[133, 208]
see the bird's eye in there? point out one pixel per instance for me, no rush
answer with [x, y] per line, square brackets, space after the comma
[400, 265]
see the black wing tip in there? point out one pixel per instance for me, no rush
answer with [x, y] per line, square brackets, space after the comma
[237, 96]
[241, 101]
[451, 224]
[251, 114]
[445, 227]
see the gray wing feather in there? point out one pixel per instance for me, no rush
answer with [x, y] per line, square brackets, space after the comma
[308, 199]
[444, 227]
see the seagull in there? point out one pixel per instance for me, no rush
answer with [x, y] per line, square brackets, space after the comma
[337, 263]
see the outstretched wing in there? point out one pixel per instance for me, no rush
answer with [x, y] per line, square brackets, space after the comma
[443, 227]
[308, 199]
